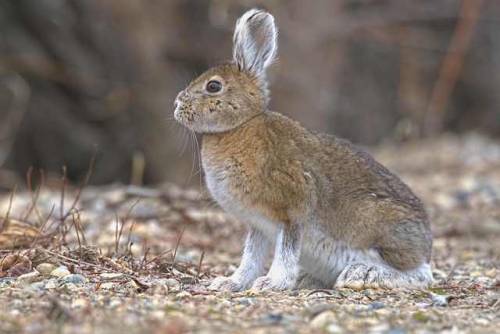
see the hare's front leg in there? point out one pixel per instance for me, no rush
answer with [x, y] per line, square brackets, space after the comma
[252, 264]
[284, 271]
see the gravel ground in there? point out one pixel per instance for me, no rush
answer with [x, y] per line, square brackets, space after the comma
[142, 258]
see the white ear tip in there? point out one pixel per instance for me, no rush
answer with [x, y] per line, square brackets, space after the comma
[249, 14]
[255, 40]
[257, 17]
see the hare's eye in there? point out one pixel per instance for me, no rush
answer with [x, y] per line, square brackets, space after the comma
[214, 86]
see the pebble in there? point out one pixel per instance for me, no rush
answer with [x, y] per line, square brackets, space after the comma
[440, 300]
[39, 286]
[59, 272]
[245, 301]
[172, 283]
[6, 281]
[29, 277]
[76, 279]
[69, 287]
[334, 328]
[182, 295]
[14, 313]
[45, 268]
[492, 273]
[322, 320]
[383, 312]
[114, 303]
[158, 315]
[376, 305]
[131, 286]
[79, 303]
[51, 284]
[272, 319]
[380, 328]
[111, 276]
[107, 286]
[482, 321]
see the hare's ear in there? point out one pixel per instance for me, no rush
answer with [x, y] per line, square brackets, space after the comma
[255, 41]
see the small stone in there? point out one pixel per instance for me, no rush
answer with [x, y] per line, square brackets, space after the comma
[482, 321]
[492, 273]
[51, 284]
[245, 301]
[6, 282]
[107, 286]
[172, 283]
[322, 320]
[440, 300]
[376, 305]
[79, 303]
[476, 274]
[15, 313]
[69, 287]
[29, 277]
[158, 315]
[76, 279]
[380, 328]
[114, 303]
[111, 276]
[273, 319]
[383, 312]
[45, 268]
[334, 328]
[39, 286]
[132, 286]
[59, 272]
[183, 295]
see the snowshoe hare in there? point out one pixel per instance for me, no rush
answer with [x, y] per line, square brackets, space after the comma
[329, 210]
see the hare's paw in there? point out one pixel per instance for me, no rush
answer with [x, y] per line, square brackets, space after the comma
[225, 284]
[272, 283]
[375, 276]
[363, 276]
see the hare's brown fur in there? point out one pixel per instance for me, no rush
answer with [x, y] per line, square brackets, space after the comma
[276, 167]
[328, 207]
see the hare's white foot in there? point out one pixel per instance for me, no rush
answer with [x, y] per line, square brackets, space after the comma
[359, 276]
[373, 276]
[226, 284]
[251, 266]
[273, 283]
[284, 271]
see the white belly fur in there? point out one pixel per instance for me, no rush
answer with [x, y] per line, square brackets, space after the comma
[325, 258]
[221, 193]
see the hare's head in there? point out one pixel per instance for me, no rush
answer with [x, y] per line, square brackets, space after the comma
[226, 96]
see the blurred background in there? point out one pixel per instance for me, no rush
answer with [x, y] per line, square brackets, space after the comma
[84, 78]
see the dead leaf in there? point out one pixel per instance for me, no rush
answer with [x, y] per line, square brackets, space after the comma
[17, 234]
[15, 265]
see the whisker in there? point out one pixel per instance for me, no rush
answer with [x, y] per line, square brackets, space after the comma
[185, 140]
[193, 152]
[198, 156]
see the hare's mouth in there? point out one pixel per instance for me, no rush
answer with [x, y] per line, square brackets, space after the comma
[183, 114]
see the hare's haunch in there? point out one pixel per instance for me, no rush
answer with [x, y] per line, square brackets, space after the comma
[332, 213]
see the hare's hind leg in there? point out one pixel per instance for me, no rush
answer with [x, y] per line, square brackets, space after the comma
[367, 274]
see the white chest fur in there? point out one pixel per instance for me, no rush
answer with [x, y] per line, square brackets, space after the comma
[218, 183]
